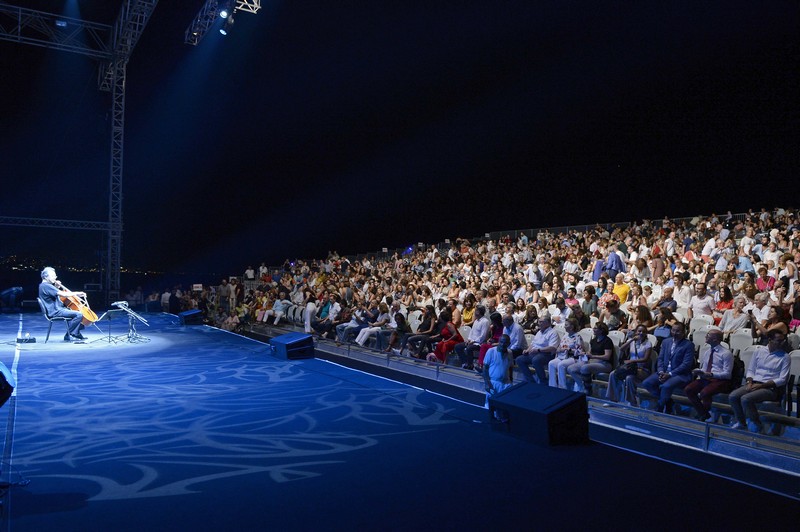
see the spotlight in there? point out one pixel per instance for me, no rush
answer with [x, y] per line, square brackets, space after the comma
[223, 13]
[227, 26]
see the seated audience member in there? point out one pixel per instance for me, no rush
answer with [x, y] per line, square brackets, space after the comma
[477, 335]
[724, 302]
[541, 351]
[368, 332]
[495, 331]
[418, 342]
[681, 292]
[674, 368]
[665, 301]
[701, 303]
[561, 313]
[530, 322]
[621, 289]
[231, 321]
[640, 316]
[613, 317]
[360, 318]
[515, 332]
[568, 351]
[766, 378]
[777, 320]
[633, 369]
[468, 312]
[582, 319]
[589, 301]
[383, 335]
[764, 282]
[328, 316]
[497, 367]
[713, 376]
[636, 298]
[401, 330]
[572, 297]
[735, 318]
[448, 337]
[278, 309]
[599, 359]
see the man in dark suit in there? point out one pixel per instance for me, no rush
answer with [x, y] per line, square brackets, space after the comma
[675, 364]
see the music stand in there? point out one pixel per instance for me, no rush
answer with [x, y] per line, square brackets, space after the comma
[107, 315]
[132, 337]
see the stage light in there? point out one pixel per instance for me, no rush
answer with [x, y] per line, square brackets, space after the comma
[61, 23]
[207, 17]
[227, 26]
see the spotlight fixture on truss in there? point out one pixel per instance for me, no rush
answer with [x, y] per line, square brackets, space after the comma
[210, 11]
[228, 24]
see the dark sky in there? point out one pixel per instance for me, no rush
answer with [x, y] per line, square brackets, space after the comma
[355, 125]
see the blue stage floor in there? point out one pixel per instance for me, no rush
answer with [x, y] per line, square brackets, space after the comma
[203, 429]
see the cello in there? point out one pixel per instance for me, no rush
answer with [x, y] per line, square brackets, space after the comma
[80, 304]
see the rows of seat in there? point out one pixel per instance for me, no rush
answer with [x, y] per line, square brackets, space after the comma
[740, 343]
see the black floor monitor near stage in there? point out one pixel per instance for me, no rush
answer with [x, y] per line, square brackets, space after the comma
[543, 414]
[191, 317]
[293, 346]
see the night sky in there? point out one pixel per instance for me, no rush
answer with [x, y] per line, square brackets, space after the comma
[356, 125]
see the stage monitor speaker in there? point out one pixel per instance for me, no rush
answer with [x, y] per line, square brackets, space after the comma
[293, 346]
[7, 384]
[542, 414]
[191, 317]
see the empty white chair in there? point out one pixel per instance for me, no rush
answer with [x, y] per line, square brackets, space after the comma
[696, 323]
[618, 337]
[740, 340]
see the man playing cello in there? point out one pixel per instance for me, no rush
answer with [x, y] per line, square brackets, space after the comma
[50, 291]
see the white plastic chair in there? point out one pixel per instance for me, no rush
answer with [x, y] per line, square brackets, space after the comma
[618, 337]
[698, 322]
[586, 335]
[740, 340]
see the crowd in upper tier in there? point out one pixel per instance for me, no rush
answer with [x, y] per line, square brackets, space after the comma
[644, 267]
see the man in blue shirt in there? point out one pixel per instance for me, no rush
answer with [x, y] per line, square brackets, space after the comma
[614, 264]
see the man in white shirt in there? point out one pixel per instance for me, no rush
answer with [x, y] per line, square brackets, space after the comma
[712, 376]
[766, 379]
[477, 335]
[701, 304]
[542, 350]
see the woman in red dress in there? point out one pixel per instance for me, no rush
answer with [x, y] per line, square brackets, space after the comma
[448, 337]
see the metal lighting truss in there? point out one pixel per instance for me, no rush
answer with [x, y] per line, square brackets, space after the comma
[208, 13]
[113, 45]
[28, 26]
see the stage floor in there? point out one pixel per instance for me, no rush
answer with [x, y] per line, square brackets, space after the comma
[200, 428]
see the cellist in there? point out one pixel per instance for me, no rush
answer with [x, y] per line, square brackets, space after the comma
[50, 291]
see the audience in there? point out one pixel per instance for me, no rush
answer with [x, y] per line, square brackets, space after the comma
[738, 269]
